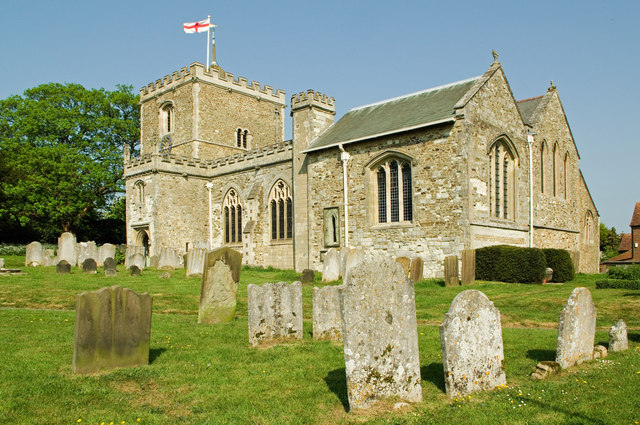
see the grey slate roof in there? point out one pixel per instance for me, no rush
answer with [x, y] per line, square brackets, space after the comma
[528, 107]
[395, 115]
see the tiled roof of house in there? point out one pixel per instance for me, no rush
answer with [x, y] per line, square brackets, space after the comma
[635, 220]
[625, 256]
[625, 242]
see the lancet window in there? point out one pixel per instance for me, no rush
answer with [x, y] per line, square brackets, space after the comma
[394, 191]
[232, 211]
[281, 208]
[503, 180]
[167, 119]
[242, 137]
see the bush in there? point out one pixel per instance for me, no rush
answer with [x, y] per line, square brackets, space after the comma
[560, 261]
[506, 263]
[6, 249]
[617, 284]
[624, 272]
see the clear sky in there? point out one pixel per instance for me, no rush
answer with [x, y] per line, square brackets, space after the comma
[361, 52]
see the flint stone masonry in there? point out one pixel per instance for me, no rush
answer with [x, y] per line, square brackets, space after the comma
[89, 266]
[87, 250]
[110, 267]
[327, 320]
[112, 329]
[105, 251]
[34, 255]
[230, 257]
[134, 270]
[416, 270]
[618, 337]
[195, 262]
[331, 266]
[576, 329]
[405, 262]
[349, 257]
[471, 340]
[169, 259]
[67, 248]
[451, 271]
[218, 295]
[380, 334]
[63, 267]
[275, 311]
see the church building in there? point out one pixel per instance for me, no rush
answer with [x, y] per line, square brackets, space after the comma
[428, 174]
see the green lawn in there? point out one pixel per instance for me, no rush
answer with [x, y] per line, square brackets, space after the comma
[208, 374]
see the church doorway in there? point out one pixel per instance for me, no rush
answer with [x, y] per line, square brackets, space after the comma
[142, 239]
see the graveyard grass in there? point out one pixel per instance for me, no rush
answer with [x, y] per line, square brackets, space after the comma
[208, 374]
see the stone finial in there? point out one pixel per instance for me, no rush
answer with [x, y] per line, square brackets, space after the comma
[551, 85]
[495, 56]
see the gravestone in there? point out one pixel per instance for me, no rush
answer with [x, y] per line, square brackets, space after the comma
[153, 261]
[349, 258]
[377, 304]
[201, 245]
[548, 275]
[89, 266]
[405, 262]
[451, 271]
[110, 267]
[618, 337]
[600, 352]
[134, 270]
[105, 251]
[331, 265]
[63, 267]
[275, 311]
[195, 261]
[112, 329]
[49, 257]
[231, 258]
[34, 255]
[307, 276]
[576, 329]
[86, 250]
[468, 266]
[67, 248]
[137, 260]
[131, 251]
[327, 320]
[1, 263]
[471, 341]
[218, 295]
[169, 259]
[416, 270]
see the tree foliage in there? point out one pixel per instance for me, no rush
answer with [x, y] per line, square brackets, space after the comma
[61, 154]
[609, 242]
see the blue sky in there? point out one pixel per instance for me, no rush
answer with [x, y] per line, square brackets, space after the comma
[361, 52]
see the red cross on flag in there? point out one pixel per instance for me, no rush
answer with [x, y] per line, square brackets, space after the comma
[200, 26]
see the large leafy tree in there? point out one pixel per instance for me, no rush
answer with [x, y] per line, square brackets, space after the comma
[609, 242]
[61, 154]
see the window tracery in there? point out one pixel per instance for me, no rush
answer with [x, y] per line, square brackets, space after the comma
[232, 210]
[281, 206]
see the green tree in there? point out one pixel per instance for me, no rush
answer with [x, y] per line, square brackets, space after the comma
[61, 154]
[609, 242]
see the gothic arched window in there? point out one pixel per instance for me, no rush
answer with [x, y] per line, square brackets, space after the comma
[281, 206]
[589, 228]
[167, 120]
[503, 162]
[232, 210]
[565, 177]
[393, 191]
[138, 192]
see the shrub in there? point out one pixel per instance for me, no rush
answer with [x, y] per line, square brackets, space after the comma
[617, 284]
[6, 249]
[631, 272]
[506, 263]
[560, 261]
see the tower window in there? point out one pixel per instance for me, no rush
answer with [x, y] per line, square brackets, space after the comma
[242, 138]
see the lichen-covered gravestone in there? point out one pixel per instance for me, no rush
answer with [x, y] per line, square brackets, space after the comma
[471, 341]
[380, 333]
[67, 248]
[618, 337]
[34, 255]
[218, 295]
[275, 311]
[89, 266]
[331, 265]
[63, 267]
[112, 329]
[195, 261]
[86, 250]
[134, 270]
[110, 267]
[105, 251]
[132, 250]
[405, 262]
[349, 257]
[576, 329]
[169, 259]
[137, 260]
[416, 269]
[230, 257]
[327, 320]
[307, 276]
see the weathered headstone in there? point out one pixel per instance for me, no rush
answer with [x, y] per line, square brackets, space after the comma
[169, 259]
[548, 275]
[327, 320]
[1, 263]
[112, 329]
[576, 329]
[86, 250]
[89, 266]
[600, 352]
[451, 271]
[545, 369]
[416, 270]
[331, 265]
[349, 257]
[131, 251]
[618, 340]
[307, 276]
[380, 335]
[275, 311]
[134, 270]
[137, 260]
[105, 251]
[67, 248]
[218, 295]
[471, 341]
[405, 262]
[110, 267]
[195, 261]
[468, 266]
[34, 255]
[49, 257]
[231, 258]
[200, 245]
[153, 261]
[63, 267]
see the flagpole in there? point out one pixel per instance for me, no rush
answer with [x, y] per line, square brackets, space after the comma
[208, 29]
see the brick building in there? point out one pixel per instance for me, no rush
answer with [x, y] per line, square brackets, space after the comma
[428, 174]
[629, 250]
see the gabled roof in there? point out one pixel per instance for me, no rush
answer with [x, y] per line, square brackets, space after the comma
[635, 220]
[625, 242]
[529, 109]
[412, 111]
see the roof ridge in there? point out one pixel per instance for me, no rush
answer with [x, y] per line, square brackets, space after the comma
[444, 86]
[530, 98]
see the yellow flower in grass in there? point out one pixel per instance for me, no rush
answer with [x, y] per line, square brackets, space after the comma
[79, 420]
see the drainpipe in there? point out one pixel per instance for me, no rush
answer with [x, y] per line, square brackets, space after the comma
[344, 156]
[209, 187]
[530, 140]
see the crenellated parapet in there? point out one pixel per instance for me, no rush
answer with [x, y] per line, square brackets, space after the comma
[216, 76]
[314, 99]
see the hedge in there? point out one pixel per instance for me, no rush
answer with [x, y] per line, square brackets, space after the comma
[618, 284]
[561, 263]
[624, 272]
[506, 263]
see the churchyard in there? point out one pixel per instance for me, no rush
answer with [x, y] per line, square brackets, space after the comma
[210, 373]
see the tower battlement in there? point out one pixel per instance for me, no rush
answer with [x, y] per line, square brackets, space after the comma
[312, 98]
[216, 76]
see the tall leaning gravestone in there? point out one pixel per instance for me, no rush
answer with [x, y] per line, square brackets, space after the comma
[576, 329]
[471, 340]
[112, 329]
[380, 333]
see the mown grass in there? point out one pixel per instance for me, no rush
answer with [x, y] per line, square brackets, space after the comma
[208, 374]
